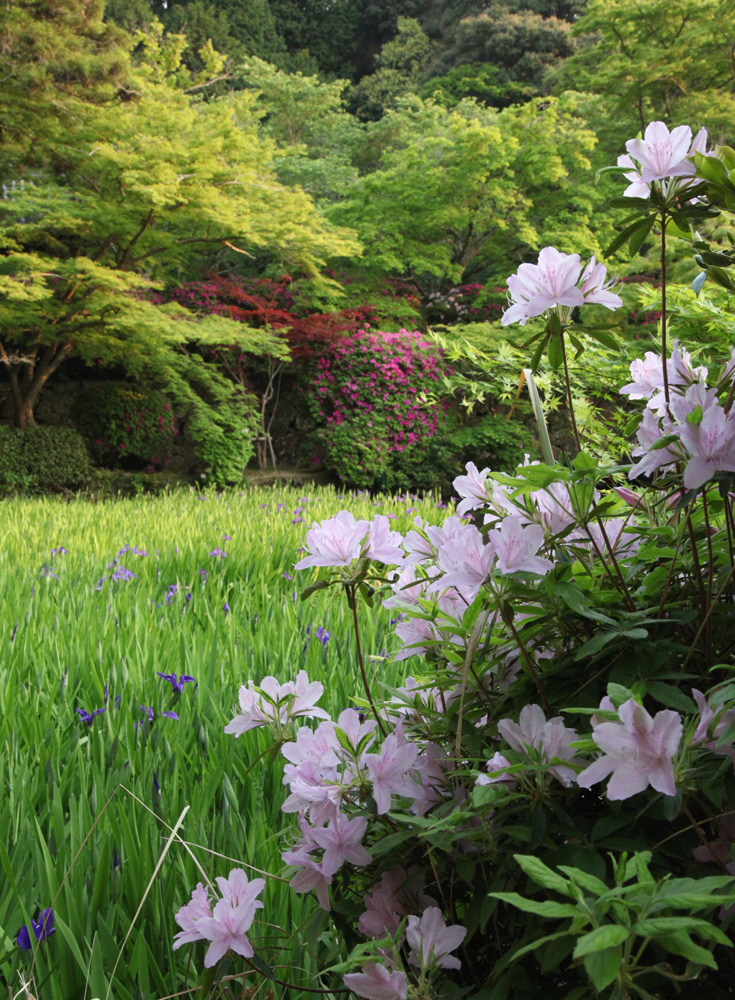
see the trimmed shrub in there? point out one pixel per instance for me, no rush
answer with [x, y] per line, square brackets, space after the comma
[42, 459]
[126, 426]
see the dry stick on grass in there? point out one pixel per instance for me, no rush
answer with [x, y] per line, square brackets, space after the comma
[152, 879]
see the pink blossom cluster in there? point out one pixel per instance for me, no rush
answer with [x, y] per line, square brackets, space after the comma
[340, 540]
[328, 772]
[276, 705]
[663, 156]
[377, 378]
[702, 432]
[430, 941]
[558, 280]
[638, 751]
[223, 922]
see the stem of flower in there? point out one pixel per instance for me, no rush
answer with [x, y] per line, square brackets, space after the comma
[531, 667]
[569, 392]
[663, 307]
[351, 600]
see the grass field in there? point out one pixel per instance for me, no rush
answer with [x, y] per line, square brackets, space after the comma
[96, 599]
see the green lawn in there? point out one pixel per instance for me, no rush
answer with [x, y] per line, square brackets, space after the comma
[74, 637]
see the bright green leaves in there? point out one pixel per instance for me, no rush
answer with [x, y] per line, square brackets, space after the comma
[612, 926]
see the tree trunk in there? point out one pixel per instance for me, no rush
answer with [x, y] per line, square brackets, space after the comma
[26, 388]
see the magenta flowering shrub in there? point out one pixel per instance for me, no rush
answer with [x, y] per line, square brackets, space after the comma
[544, 807]
[366, 396]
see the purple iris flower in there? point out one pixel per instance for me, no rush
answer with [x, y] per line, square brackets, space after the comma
[89, 716]
[61, 551]
[220, 553]
[155, 783]
[99, 583]
[177, 683]
[203, 574]
[394, 621]
[227, 538]
[148, 715]
[15, 629]
[319, 633]
[134, 549]
[226, 608]
[124, 574]
[42, 928]
[287, 575]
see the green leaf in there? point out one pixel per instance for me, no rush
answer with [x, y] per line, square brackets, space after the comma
[602, 967]
[601, 938]
[313, 587]
[627, 234]
[543, 875]
[603, 337]
[587, 881]
[681, 944]
[654, 927]
[541, 941]
[555, 352]
[695, 417]
[639, 237]
[547, 909]
[670, 696]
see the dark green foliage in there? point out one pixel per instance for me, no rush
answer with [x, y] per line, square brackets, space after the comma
[125, 425]
[494, 440]
[42, 459]
[524, 44]
[484, 82]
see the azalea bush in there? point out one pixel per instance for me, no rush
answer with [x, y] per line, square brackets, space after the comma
[544, 807]
[375, 429]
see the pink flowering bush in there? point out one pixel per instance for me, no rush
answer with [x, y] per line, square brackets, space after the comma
[366, 396]
[543, 807]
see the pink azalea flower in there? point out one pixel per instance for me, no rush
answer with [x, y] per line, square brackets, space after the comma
[391, 770]
[272, 703]
[538, 287]
[649, 433]
[431, 940]
[417, 546]
[595, 286]
[189, 915]
[638, 751]
[334, 542]
[466, 561]
[418, 634]
[551, 739]
[648, 378]
[516, 547]
[661, 154]
[341, 840]
[496, 768]
[710, 442]
[377, 983]
[472, 489]
[409, 586]
[309, 876]
[383, 545]
[722, 719]
[226, 927]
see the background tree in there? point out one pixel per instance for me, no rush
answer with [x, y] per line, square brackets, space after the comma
[655, 60]
[401, 65]
[461, 194]
[125, 193]
[306, 117]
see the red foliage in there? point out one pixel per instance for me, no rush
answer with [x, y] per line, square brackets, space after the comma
[267, 302]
